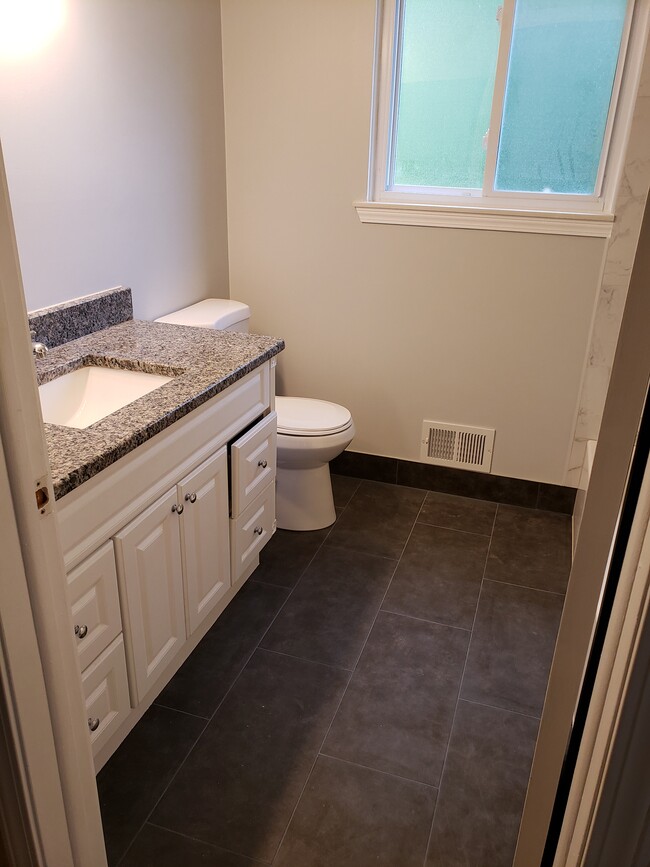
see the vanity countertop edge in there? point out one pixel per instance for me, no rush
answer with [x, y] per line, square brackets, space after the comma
[202, 363]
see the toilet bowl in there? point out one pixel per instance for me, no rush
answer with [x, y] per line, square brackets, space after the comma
[311, 432]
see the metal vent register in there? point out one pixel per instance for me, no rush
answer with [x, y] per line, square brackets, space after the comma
[457, 445]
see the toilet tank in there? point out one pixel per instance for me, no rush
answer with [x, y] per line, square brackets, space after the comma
[220, 313]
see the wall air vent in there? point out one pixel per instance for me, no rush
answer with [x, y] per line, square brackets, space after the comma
[453, 445]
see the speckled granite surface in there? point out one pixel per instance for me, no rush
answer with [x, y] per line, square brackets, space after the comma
[73, 319]
[202, 362]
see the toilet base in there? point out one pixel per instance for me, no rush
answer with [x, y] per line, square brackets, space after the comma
[304, 499]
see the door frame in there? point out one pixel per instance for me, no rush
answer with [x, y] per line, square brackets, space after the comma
[71, 825]
[616, 444]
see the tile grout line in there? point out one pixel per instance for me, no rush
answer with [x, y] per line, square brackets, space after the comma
[378, 771]
[526, 587]
[504, 709]
[311, 770]
[454, 529]
[211, 845]
[176, 710]
[460, 687]
[173, 777]
[304, 659]
[343, 694]
[388, 586]
[225, 695]
[425, 620]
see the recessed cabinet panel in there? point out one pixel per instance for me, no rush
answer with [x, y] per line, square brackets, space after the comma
[204, 530]
[106, 691]
[251, 531]
[253, 463]
[149, 568]
[95, 604]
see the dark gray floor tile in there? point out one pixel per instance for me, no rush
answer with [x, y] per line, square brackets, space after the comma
[287, 555]
[353, 817]
[136, 775]
[240, 784]
[483, 788]
[343, 488]
[331, 611]
[201, 683]
[512, 647]
[397, 712]
[378, 519]
[458, 513]
[156, 847]
[531, 548]
[439, 576]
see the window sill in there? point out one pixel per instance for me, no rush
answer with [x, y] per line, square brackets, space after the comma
[501, 220]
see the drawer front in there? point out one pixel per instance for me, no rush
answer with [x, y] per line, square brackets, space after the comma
[95, 604]
[106, 690]
[253, 463]
[251, 531]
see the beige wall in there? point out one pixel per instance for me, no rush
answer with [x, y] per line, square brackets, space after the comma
[113, 143]
[397, 323]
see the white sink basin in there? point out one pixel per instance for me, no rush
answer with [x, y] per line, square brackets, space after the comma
[86, 395]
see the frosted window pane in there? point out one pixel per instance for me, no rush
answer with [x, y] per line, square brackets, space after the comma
[445, 92]
[562, 64]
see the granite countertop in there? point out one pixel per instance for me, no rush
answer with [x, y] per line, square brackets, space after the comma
[202, 362]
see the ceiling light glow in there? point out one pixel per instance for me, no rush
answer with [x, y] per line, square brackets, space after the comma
[26, 26]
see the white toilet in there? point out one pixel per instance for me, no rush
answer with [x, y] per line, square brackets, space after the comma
[311, 433]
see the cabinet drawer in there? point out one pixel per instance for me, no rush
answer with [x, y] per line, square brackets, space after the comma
[95, 604]
[250, 532]
[253, 463]
[106, 690]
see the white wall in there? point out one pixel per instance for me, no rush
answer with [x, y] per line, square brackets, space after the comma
[397, 323]
[113, 143]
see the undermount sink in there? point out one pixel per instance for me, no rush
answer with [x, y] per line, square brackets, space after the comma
[84, 396]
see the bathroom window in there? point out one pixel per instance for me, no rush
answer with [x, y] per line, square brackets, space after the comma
[512, 111]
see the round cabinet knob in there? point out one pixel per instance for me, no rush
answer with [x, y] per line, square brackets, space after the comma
[93, 723]
[191, 498]
[263, 464]
[81, 631]
[178, 508]
[258, 530]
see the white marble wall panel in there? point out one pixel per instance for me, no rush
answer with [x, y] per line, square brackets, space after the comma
[621, 249]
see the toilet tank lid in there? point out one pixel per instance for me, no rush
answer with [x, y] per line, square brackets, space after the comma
[307, 416]
[212, 313]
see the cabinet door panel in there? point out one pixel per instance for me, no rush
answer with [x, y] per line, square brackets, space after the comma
[149, 568]
[204, 529]
[95, 604]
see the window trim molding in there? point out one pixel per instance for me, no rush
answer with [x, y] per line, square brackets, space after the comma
[502, 212]
[598, 225]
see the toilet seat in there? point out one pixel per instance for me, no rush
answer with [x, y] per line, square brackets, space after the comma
[304, 416]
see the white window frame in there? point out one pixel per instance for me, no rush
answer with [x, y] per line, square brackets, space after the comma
[487, 208]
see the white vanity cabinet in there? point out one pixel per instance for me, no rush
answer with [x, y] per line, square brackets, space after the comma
[159, 543]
